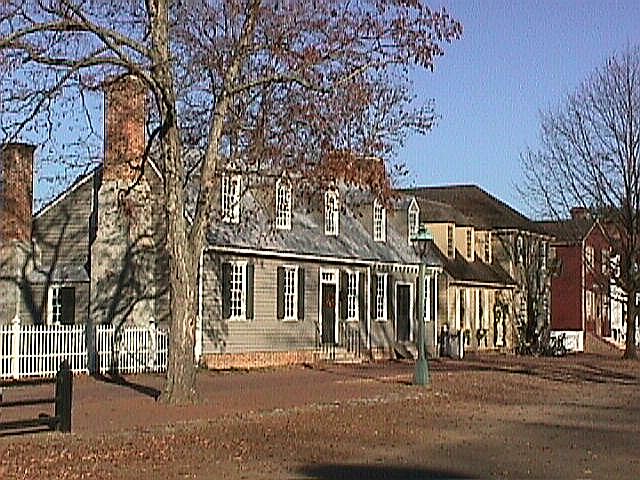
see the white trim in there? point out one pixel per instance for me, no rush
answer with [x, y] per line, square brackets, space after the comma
[295, 316]
[411, 302]
[413, 208]
[411, 268]
[243, 296]
[64, 194]
[232, 185]
[385, 306]
[368, 310]
[331, 199]
[379, 235]
[283, 183]
[197, 353]
[435, 310]
[356, 316]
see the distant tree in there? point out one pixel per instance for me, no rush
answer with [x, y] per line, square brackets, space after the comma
[266, 85]
[590, 157]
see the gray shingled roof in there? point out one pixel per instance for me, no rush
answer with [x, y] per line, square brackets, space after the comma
[256, 230]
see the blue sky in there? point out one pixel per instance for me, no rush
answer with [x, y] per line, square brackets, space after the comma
[515, 59]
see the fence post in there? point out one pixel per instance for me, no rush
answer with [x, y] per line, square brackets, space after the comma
[64, 394]
[15, 347]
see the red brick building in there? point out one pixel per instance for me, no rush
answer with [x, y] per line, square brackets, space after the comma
[580, 284]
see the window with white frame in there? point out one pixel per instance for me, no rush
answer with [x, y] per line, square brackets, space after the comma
[290, 293]
[544, 253]
[413, 220]
[604, 261]
[55, 304]
[381, 296]
[61, 305]
[331, 219]
[352, 296]
[231, 198]
[379, 222]
[589, 254]
[283, 204]
[238, 291]
[520, 249]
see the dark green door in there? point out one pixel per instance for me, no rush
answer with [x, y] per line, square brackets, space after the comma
[403, 312]
[328, 313]
[67, 305]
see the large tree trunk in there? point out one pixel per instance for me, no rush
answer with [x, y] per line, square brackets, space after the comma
[180, 386]
[631, 351]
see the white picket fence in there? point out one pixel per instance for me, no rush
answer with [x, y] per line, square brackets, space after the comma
[38, 350]
[131, 349]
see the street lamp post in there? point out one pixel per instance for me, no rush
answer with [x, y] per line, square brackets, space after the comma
[421, 374]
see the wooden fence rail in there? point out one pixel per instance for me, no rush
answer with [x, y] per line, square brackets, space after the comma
[62, 401]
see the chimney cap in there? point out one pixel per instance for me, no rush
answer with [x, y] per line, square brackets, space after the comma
[17, 145]
[580, 213]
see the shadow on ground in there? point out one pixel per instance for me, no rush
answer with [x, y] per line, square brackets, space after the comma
[122, 381]
[376, 472]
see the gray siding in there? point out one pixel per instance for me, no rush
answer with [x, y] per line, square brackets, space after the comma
[383, 333]
[62, 231]
[265, 332]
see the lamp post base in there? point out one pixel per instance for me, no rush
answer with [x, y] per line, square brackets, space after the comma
[421, 374]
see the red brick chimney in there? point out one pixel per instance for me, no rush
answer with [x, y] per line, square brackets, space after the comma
[16, 191]
[124, 142]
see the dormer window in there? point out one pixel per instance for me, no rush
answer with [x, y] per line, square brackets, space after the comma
[283, 204]
[231, 198]
[379, 222]
[470, 244]
[413, 220]
[487, 247]
[520, 250]
[331, 218]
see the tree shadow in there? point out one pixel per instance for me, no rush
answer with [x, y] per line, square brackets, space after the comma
[376, 472]
[117, 379]
[565, 370]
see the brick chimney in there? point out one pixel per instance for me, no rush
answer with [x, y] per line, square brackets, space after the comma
[580, 213]
[125, 111]
[16, 191]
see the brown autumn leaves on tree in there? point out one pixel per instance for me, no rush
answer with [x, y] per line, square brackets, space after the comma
[590, 157]
[268, 86]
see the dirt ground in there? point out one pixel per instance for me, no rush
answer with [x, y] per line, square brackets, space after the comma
[484, 417]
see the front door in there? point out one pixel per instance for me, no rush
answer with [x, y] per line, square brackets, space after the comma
[328, 313]
[403, 313]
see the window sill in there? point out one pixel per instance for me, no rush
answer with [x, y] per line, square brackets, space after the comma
[237, 319]
[381, 320]
[290, 320]
[351, 320]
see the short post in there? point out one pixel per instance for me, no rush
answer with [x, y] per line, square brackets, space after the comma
[15, 347]
[64, 394]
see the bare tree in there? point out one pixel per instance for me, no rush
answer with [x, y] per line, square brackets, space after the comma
[265, 85]
[589, 157]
